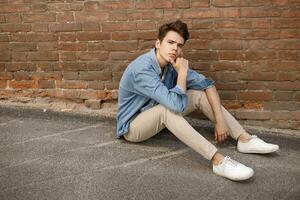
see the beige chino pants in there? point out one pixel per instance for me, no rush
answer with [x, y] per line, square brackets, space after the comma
[153, 120]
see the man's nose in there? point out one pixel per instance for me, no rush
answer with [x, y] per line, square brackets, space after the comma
[175, 46]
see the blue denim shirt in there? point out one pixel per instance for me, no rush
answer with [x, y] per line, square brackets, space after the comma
[143, 85]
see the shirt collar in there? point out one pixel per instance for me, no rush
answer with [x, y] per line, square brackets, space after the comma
[155, 61]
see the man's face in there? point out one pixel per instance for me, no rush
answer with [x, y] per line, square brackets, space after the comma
[170, 47]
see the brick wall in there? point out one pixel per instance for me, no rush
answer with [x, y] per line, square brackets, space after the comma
[78, 50]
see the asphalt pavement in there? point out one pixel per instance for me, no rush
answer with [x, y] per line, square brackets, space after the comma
[51, 155]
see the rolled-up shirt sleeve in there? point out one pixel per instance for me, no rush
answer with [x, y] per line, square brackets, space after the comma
[198, 81]
[147, 83]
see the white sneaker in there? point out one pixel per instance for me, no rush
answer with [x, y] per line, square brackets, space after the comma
[233, 170]
[256, 145]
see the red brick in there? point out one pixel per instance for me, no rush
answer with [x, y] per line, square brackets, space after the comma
[226, 95]
[286, 23]
[239, 24]
[120, 46]
[284, 85]
[5, 56]
[226, 76]
[205, 34]
[71, 94]
[230, 12]
[2, 67]
[14, 8]
[289, 34]
[118, 26]
[91, 6]
[3, 84]
[96, 46]
[282, 105]
[144, 4]
[74, 85]
[45, 84]
[40, 17]
[91, 17]
[283, 96]
[258, 76]
[234, 35]
[261, 23]
[70, 75]
[91, 76]
[93, 55]
[118, 16]
[202, 24]
[96, 85]
[23, 46]
[146, 25]
[199, 4]
[67, 56]
[290, 12]
[28, 84]
[143, 35]
[93, 36]
[13, 18]
[261, 34]
[65, 17]
[4, 38]
[285, 2]
[181, 3]
[93, 103]
[260, 12]
[43, 56]
[2, 19]
[145, 45]
[73, 46]
[201, 55]
[162, 4]
[230, 55]
[13, 28]
[41, 37]
[39, 27]
[72, 66]
[253, 114]
[286, 76]
[227, 65]
[67, 36]
[283, 66]
[112, 86]
[287, 55]
[228, 3]
[46, 75]
[65, 27]
[18, 56]
[264, 96]
[113, 5]
[226, 44]
[259, 55]
[145, 15]
[197, 44]
[203, 13]
[21, 75]
[47, 46]
[6, 76]
[36, 7]
[91, 26]
[285, 44]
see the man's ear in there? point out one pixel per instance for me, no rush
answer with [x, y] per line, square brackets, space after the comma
[157, 44]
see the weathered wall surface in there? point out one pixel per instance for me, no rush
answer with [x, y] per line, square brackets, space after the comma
[78, 50]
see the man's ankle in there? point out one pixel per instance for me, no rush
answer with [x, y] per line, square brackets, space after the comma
[245, 137]
[217, 158]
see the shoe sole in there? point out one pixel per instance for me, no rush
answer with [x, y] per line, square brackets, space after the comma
[235, 179]
[259, 152]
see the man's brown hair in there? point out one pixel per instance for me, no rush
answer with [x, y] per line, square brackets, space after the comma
[178, 26]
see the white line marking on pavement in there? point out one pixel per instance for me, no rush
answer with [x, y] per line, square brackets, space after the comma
[53, 135]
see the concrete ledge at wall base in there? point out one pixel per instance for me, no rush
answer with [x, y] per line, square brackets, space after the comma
[44, 106]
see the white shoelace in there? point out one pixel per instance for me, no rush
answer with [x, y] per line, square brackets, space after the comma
[231, 161]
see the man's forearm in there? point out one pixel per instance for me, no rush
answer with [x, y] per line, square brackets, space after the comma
[181, 79]
[215, 102]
